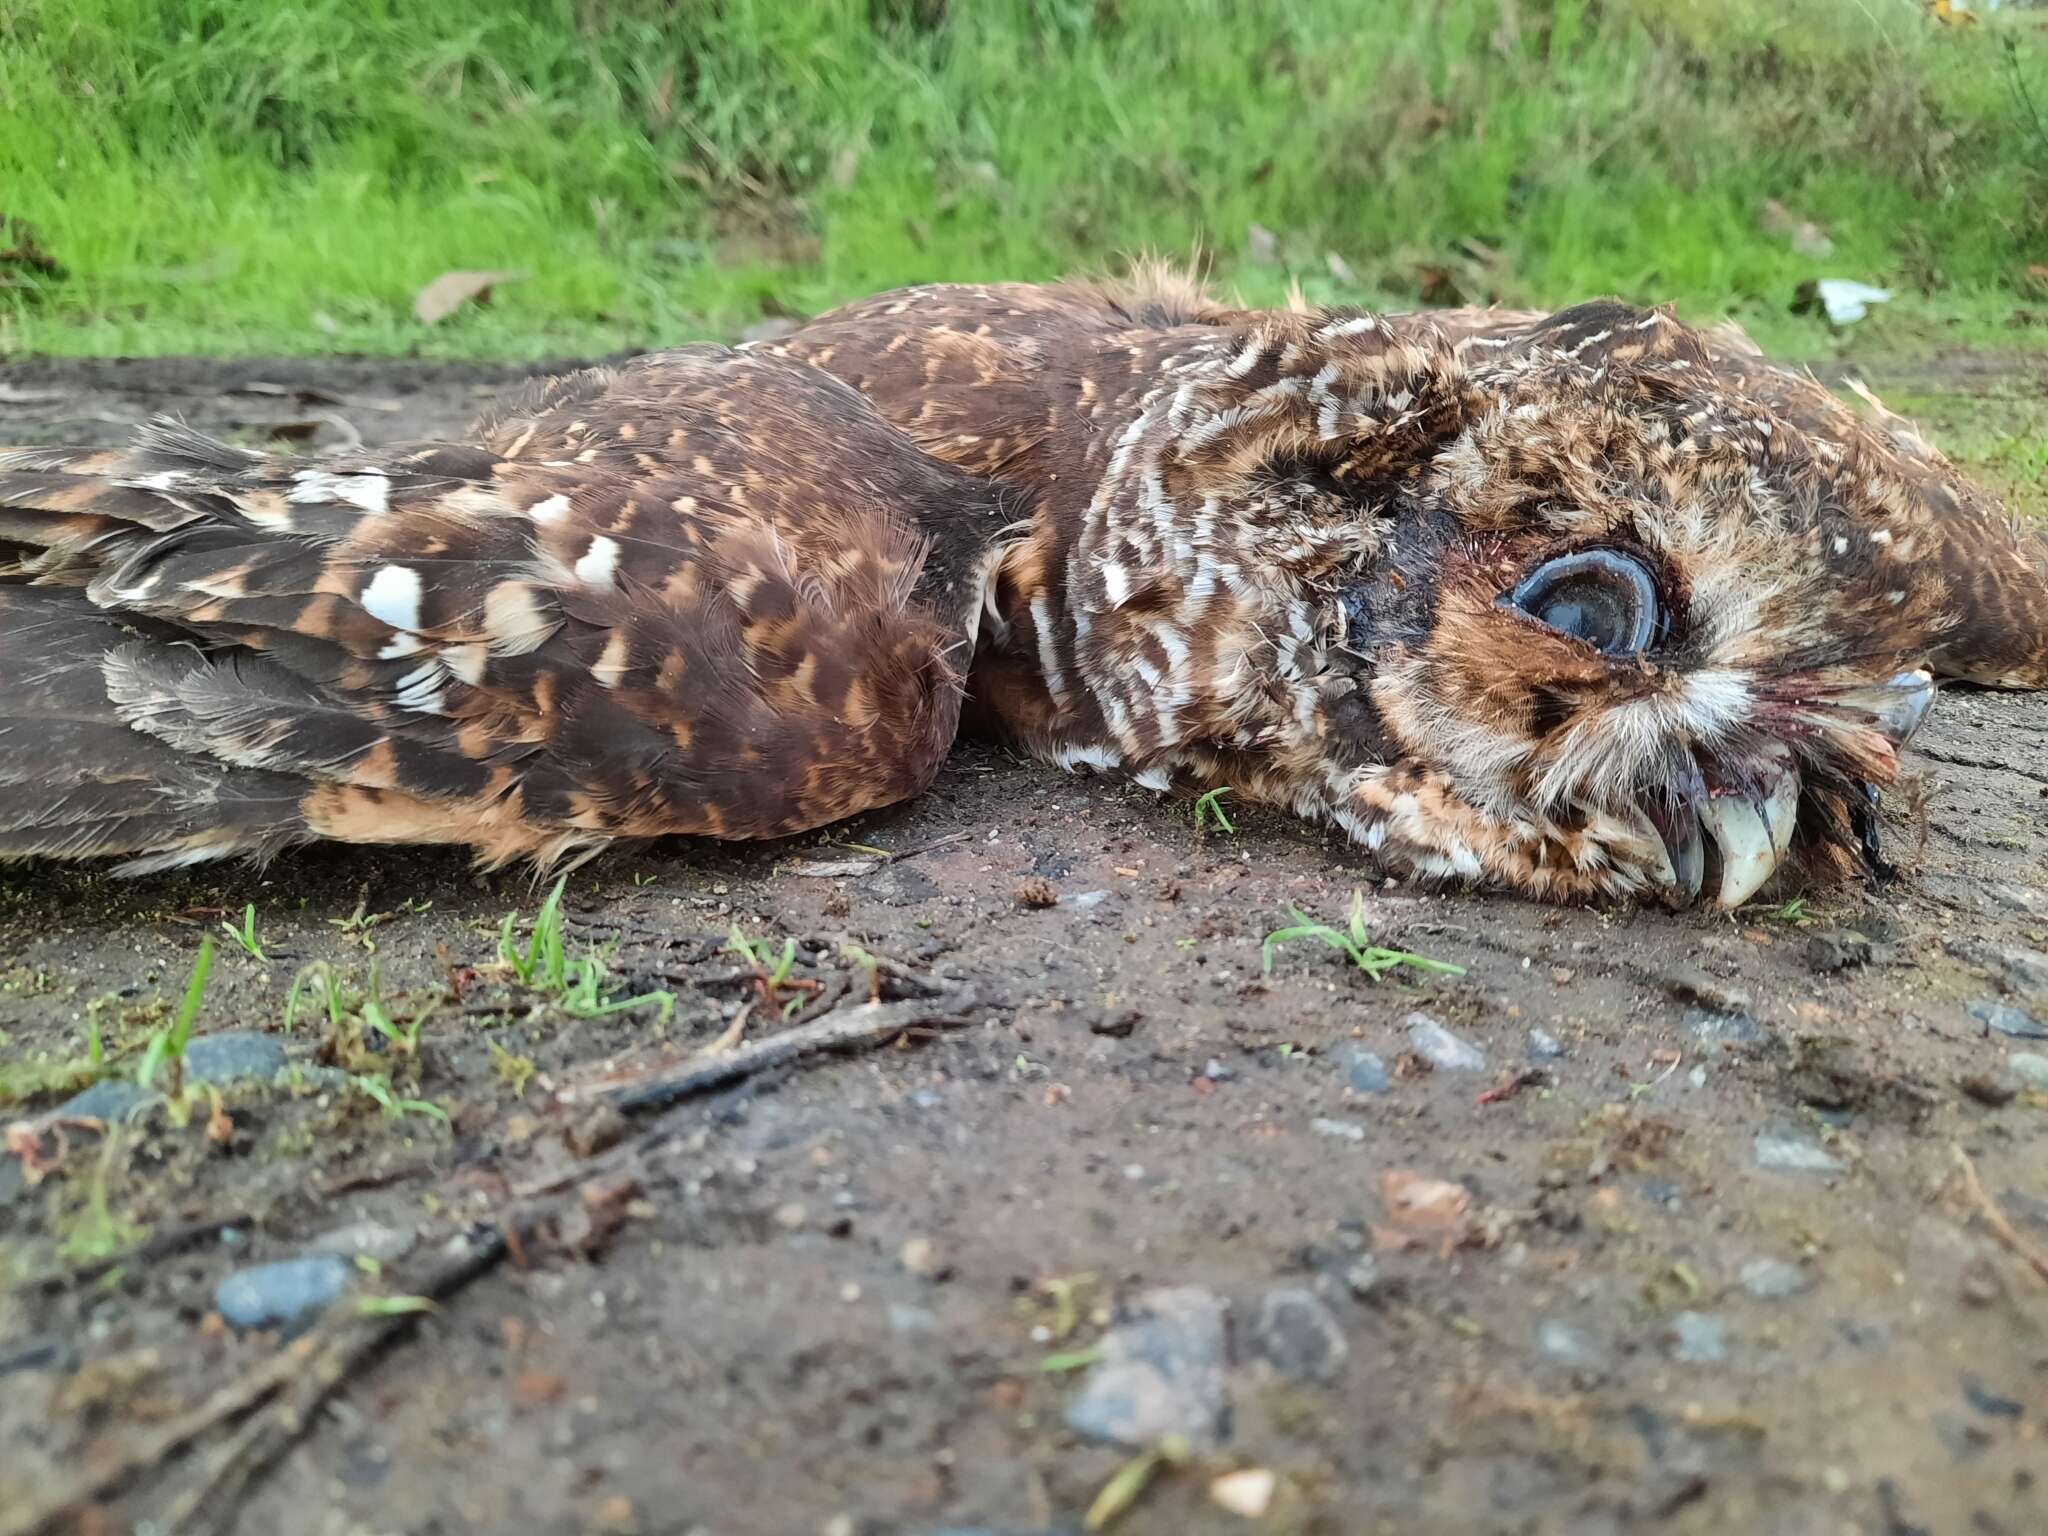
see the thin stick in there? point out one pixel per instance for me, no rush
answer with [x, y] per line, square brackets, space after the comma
[1995, 1219]
[839, 1030]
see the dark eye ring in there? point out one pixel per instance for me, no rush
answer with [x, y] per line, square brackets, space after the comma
[1600, 596]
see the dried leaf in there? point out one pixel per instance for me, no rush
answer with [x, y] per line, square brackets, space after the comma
[451, 290]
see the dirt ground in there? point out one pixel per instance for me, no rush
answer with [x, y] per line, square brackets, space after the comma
[1711, 1240]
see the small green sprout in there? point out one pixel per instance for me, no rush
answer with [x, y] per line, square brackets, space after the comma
[376, 1086]
[1209, 811]
[166, 1048]
[245, 935]
[545, 965]
[1355, 945]
[773, 972]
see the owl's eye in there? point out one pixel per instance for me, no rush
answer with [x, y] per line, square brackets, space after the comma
[1600, 596]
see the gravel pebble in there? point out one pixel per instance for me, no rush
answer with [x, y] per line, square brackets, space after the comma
[1364, 1071]
[1716, 1028]
[2030, 1069]
[1790, 1152]
[1440, 1047]
[1699, 1338]
[1560, 1341]
[1295, 1332]
[287, 1295]
[230, 1057]
[1161, 1373]
[2008, 1020]
[1774, 1279]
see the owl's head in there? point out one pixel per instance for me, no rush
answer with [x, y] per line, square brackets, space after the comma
[1624, 630]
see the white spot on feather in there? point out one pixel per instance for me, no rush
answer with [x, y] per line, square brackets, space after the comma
[552, 510]
[599, 563]
[420, 690]
[1072, 758]
[610, 667]
[1357, 326]
[467, 662]
[368, 491]
[515, 620]
[1248, 359]
[392, 596]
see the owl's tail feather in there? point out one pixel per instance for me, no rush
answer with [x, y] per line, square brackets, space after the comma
[77, 781]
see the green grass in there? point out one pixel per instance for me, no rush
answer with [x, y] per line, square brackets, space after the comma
[1354, 942]
[166, 1049]
[577, 982]
[236, 176]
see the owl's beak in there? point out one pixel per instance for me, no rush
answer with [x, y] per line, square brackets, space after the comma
[1750, 823]
[1750, 813]
[1753, 832]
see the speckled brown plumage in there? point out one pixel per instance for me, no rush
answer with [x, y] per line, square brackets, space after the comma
[1282, 552]
[1574, 604]
[702, 593]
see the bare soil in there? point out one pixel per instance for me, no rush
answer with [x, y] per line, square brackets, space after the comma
[860, 1292]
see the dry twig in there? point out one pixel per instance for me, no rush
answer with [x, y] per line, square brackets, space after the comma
[1995, 1219]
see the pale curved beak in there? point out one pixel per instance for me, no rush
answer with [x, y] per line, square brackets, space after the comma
[1751, 821]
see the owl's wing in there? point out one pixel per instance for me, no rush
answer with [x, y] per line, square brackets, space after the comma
[707, 595]
[1994, 569]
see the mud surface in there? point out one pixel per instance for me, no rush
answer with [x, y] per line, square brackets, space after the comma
[1693, 1249]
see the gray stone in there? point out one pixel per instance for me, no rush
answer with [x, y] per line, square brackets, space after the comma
[1790, 1152]
[907, 1319]
[2008, 1020]
[1343, 1130]
[1364, 1278]
[366, 1240]
[232, 1056]
[2024, 972]
[1295, 1332]
[1544, 1046]
[1698, 1338]
[2030, 1069]
[287, 1295]
[1560, 1341]
[1774, 1279]
[1715, 1028]
[1162, 1372]
[1364, 1072]
[1440, 1047]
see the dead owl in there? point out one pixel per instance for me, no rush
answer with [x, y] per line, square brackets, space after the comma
[1587, 604]
[1584, 606]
